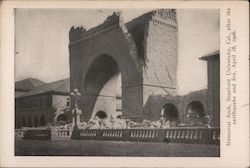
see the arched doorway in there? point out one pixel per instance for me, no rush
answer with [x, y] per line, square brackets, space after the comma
[195, 113]
[23, 122]
[171, 114]
[101, 114]
[62, 117]
[36, 124]
[100, 91]
[29, 121]
[18, 124]
[42, 120]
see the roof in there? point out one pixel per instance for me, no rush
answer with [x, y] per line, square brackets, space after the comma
[210, 56]
[61, 86]
[28, 84]
[19, 93]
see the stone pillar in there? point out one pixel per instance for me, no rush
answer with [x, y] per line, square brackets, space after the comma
[132, 102]
[161, 56]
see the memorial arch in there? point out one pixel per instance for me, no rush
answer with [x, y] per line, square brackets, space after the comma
[99, 54]
[101, 85]
[104, 57]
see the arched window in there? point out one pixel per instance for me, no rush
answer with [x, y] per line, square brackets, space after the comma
[171, 113]
[36, 124]
[42, 120]
[23, 122]
[18, 124]
[29, 121]
[62, 117]
[103, 80]
[195, 113]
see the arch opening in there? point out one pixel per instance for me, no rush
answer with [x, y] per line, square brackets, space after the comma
[103, 88]
[18, 124]
[62, 117]
[36, 124]
[171, 114]
[101, 114]
[42, 120]
[195, 113]
[196, 108]
[29, 122]
[23, 122]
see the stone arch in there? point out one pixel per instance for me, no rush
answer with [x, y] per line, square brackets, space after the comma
[195, 113]
[171, 112]
[196, 107]
[61, 117]
[99, 86]
[101, 114]
[114, 44]
[42, 120]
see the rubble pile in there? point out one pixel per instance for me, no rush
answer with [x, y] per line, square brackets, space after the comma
[117, 123]
[121, 124]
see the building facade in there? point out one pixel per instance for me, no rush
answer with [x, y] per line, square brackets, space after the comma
[43, 105]
[213, 69]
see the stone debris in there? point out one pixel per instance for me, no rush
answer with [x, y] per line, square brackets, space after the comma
[121, 124]
[118, 123]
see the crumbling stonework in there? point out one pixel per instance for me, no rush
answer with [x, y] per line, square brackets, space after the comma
[145, 52]
[99, 54]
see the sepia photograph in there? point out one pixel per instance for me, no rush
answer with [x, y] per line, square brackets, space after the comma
[124, 84]
[117, 82]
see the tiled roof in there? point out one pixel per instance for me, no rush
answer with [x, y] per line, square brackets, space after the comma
[62, 86]
[27, 84]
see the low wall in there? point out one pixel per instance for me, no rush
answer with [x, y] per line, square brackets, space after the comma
[171, 135]
[36, 134]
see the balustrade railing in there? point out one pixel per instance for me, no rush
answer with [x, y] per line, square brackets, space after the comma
[55, 133]
[61, 132]
[170, 135]
[19, 133]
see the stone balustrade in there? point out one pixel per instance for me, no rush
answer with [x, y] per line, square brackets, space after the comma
[170, 135]
[142, 133]
[55, 133]
[88, 133]
[112, 133]
[61, 132]
[19, 133]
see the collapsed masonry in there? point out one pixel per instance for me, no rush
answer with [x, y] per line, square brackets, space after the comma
[145, 52]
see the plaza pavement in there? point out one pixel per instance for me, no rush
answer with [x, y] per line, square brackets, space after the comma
[112, 148]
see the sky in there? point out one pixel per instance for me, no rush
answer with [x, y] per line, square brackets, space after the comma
[41, 41]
